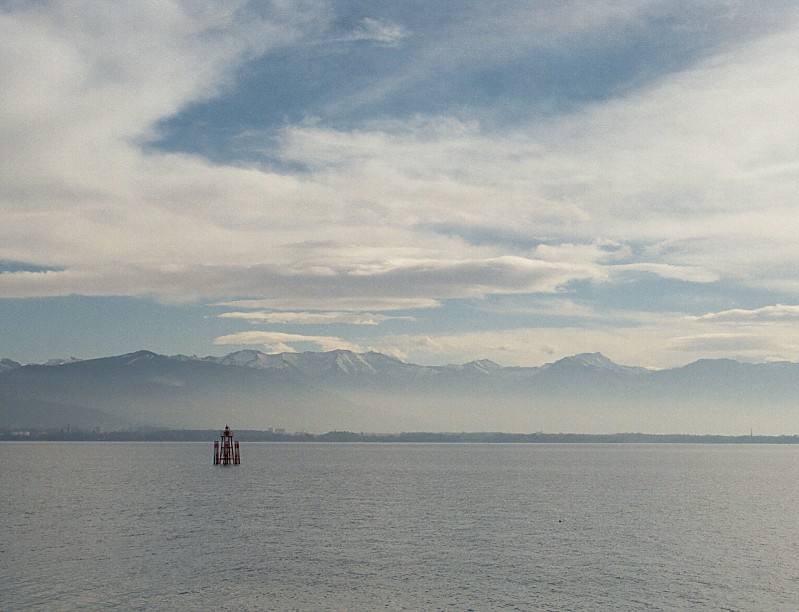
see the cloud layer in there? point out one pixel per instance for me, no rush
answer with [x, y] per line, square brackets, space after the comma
[684, 173]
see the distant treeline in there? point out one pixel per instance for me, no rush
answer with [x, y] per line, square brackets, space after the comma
[206, 435]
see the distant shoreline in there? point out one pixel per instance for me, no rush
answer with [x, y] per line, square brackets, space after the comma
[205, 435]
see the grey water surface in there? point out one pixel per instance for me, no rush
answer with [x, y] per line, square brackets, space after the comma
[304, 526]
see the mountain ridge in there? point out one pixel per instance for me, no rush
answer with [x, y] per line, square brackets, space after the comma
[594, 359]
[341, 389]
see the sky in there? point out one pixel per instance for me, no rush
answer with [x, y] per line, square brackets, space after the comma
[437, 181]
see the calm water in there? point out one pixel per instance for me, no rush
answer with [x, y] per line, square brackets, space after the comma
[383, 526]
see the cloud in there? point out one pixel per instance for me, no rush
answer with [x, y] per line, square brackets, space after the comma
[767, 314]
[524, 59]
[668, 166]
[721, 343]
[275, 342]
[656, 340]
[689, 174]
[311, 318]
[376, 30]
[94, 75]
[88, 87]
[692, 274]
[351, 303]
[421, 280]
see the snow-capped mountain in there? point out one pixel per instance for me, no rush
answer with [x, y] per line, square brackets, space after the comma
[375, 392]
[591, 361]
[58, 361]
[480, 366]
[309, 363]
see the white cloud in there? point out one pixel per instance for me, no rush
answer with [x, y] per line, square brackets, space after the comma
[422, 281]
[728, 344]
[655, 340]
[679, 165]
[349, 303]
[700, 167]
[691, 274]
[767, 314]
[676, 166]
[311, 318]
[276, 342]
[87, 75]
[88, 85]
[377, 30]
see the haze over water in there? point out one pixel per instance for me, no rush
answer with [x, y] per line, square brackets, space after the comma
[406, 526]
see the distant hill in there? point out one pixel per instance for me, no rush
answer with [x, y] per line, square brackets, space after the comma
[374, 392]
[8, 364]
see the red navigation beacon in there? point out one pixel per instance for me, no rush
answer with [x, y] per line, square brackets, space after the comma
[226, 450]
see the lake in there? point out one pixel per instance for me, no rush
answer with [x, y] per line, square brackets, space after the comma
[305, 526]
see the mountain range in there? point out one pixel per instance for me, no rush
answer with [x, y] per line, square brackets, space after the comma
[374, 392]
